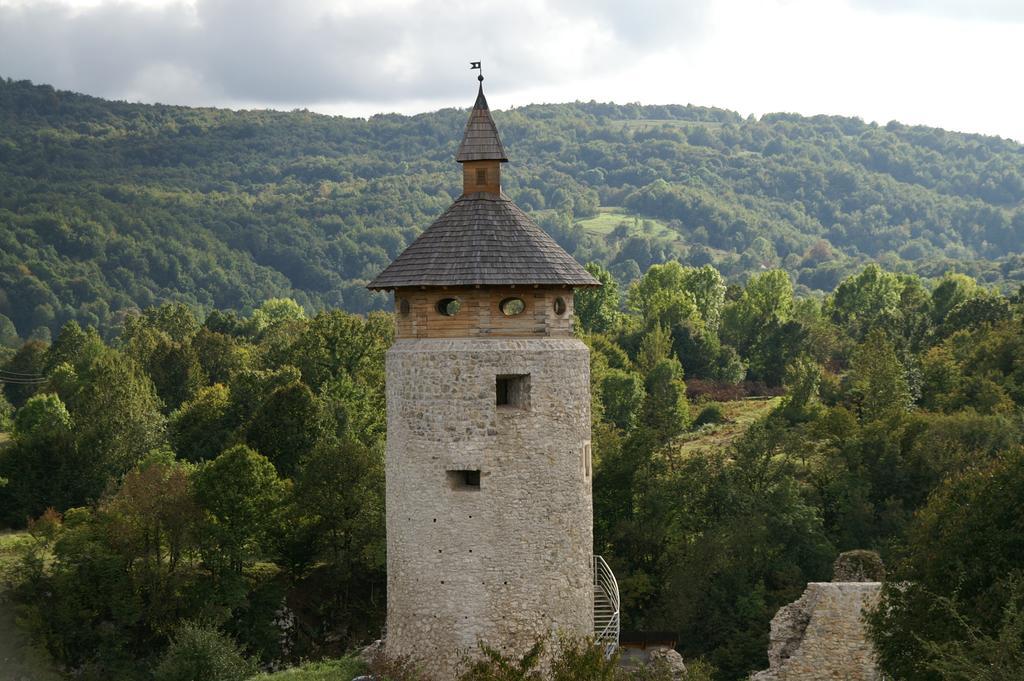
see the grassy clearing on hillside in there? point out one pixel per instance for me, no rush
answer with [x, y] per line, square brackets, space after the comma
[739, 414]
[610, 217]
[326, 670]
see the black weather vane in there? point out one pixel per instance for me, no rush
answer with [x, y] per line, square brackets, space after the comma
[475, 66]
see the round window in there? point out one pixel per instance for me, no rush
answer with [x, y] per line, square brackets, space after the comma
[403, 307]
[449, 307]
[510, 307]
[559, 306]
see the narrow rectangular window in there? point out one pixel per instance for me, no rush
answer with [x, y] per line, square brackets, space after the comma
[512, 390]
[481, 177]
[464, 479]
[587, 461]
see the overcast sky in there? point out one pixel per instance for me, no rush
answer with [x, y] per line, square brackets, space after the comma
[949, 63]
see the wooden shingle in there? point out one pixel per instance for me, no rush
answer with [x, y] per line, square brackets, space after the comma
[483, 240]
[480, 142]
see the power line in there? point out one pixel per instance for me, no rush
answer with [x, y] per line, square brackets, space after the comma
[21, 373]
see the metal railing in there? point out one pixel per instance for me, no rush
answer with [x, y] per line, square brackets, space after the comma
[606, 606]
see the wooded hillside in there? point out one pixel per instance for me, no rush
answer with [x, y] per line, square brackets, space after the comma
[106, 207]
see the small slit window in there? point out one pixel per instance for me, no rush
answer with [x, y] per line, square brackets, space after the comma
[403, 307]
[468, 479]
[449, 307]
[481, 177]
[559, 306]
[510, 307]
[512, 391]
[587, 460]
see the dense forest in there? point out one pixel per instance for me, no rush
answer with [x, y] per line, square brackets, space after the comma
[211, 488]
[107, 208]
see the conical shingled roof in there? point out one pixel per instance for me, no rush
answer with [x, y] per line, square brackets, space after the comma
[485, 240]
[480, 142]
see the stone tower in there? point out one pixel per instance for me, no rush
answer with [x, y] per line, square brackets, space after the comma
[489, 510]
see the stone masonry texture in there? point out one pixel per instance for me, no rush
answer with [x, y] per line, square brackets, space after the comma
[509, 560]
[821, 636]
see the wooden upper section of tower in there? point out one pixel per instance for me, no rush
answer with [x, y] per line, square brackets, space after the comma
[483, 239]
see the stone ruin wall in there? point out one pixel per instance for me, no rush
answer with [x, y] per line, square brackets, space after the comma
[822, 637]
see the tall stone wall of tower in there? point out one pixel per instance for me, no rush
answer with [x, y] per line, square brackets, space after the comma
[507, 556]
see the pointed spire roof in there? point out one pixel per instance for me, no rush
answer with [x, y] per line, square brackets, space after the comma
[480, 142]
[483, 239]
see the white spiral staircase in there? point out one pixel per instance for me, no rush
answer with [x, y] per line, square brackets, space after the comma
[606, 606]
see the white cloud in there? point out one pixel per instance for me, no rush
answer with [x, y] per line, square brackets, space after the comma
[312, 51]
[948, 63]
[982, 10]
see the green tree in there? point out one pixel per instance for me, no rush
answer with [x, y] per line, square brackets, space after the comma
[201, 428]
[152, 520]
[173, 365]
[661, 296]
[878, 382]
[766, 302]
[336, 342]
[27, 363]
[73, 346]
[287, 426]
[43, 466]
[941, 379]
[708, 290]
[598, 309]
[982, 656]
[8, 333]
[758, 325]
[728, 538]
[338, 506]
[176, 320]
[655, 346]
[6, 414]
[117, 417]
[866, 300]
[666, 413]
[963, 551]
[803, 378]
[622, 396]
[953, 290]
[220, 354]
[239, 492]
[276, 311]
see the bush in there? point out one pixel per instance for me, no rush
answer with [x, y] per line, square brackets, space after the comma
[710, 414]
[344, 669]
[581, 660]
[494, 666]
[199, 652]
[573, 659]
[386, 668]
[6, 414]
[858, 566]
